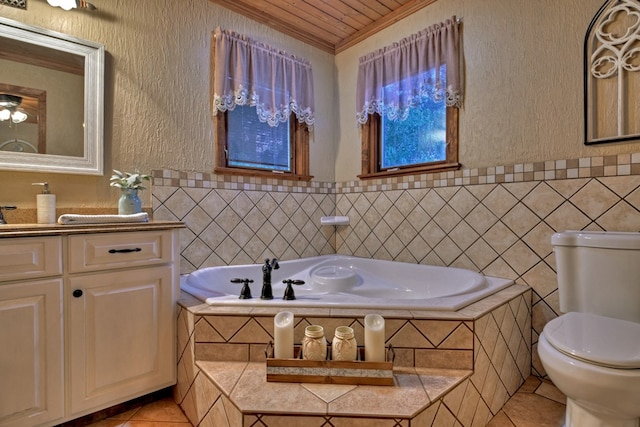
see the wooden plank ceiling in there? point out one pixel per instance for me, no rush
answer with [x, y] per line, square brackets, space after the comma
[331, 25]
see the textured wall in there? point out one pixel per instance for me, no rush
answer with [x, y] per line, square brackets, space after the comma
[523, 78]
[157, 91]
[523, 98]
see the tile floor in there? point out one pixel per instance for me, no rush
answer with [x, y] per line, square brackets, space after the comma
[160, 413]
[536, 404]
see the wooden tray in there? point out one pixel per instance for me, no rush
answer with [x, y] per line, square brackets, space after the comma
[299, 370]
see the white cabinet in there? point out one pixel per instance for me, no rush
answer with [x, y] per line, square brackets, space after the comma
[87, 321]
[120, 322]
[31, 335]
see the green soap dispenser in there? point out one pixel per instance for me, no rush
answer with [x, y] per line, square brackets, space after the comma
[46, 205]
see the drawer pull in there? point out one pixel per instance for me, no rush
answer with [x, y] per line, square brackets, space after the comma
[124, 251]
[77, 293]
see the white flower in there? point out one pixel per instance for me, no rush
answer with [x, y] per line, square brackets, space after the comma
[128, 181]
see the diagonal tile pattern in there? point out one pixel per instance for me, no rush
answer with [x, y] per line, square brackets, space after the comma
[505, 232]
[497, 220]
[434, 381]
[536, 403]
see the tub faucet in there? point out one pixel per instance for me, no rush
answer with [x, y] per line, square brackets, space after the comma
[6, 208]
[289, 295]
[245, 293]
[269, 265]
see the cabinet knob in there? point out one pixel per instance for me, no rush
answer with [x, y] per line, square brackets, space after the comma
[77, 293]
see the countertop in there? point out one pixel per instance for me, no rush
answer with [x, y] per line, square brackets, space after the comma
[30, 230]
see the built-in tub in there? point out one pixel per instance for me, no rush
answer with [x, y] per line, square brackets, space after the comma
[349, 282]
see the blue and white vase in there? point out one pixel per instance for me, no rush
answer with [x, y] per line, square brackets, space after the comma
[129, 202]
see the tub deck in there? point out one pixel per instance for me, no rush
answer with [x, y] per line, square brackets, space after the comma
[461, 365]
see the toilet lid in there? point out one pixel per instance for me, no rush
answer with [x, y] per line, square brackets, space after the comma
[600, 340]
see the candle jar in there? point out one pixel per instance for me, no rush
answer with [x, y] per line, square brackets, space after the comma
[314, 344]
[374, 338]
[283, 335]
[344, 346]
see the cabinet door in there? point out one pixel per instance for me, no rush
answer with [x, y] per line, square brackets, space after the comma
[121, 336]
[31, 353]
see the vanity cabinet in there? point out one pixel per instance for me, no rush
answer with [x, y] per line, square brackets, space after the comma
[120, 306]
[31, 331]
[87, 321]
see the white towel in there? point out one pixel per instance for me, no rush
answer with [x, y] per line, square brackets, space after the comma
[102, 219]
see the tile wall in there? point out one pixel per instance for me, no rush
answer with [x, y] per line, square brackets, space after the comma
[216, 385]
[496, 220]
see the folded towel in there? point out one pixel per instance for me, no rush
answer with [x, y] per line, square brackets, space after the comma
[102, 219]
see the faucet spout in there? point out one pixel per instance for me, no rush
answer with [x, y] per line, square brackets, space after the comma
[267, 291]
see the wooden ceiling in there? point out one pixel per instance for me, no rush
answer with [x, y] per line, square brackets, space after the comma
[331, 25]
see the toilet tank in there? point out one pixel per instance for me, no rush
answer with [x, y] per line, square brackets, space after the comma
[599, 273]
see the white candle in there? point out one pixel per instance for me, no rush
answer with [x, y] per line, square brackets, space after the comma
[374, 338]
[283, 335]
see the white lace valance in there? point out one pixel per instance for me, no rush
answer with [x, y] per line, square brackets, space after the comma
[392, 80]
[246, 72]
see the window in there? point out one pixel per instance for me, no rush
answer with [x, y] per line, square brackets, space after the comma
[246, 146]
[262, 108]
[408, 154]
[420, 138]
[253, 144]
[409, 121]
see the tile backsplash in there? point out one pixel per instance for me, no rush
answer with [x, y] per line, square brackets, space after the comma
[496, 220]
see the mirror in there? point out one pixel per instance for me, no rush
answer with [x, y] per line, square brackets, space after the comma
[57, 81]
[27, 107]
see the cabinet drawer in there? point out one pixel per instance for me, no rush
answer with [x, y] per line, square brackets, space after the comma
[92, 252]
[30, 257]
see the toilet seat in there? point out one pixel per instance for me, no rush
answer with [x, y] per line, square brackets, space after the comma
[600, 340]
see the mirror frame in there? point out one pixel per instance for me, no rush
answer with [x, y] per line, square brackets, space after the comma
[93, 161]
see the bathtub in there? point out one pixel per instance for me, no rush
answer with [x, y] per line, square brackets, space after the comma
[349, 282]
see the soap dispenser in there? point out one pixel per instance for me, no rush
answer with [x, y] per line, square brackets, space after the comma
[46, 205]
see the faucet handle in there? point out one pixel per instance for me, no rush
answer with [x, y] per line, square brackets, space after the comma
[270, 264]
[288, 292]
[245, 293]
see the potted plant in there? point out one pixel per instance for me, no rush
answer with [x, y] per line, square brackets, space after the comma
[129, 184]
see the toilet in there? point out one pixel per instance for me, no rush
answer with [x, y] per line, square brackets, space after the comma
[592, 351]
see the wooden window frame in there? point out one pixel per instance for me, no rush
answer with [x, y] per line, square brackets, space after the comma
[299, 152]
[371, 144]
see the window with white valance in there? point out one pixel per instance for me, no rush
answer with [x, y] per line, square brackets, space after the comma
[247, 72]
[262, 106]
[408, 97]
[393, 79]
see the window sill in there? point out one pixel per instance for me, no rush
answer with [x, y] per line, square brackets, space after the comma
[261, 174]
[441, 167]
